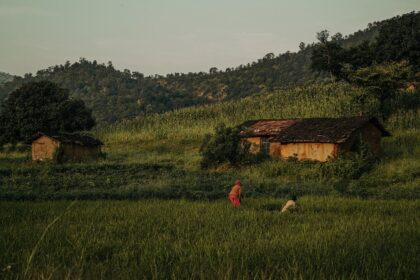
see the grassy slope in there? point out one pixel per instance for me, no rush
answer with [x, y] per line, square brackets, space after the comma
[158, 156]
[331, 238]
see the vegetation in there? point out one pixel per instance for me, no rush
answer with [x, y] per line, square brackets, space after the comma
[115, 95]
[186, 228]
[5, 77]
[225, 146]
[111, 94]
[41, 106]
[383, 81]
[158, 156]
[331, 238]
[397, 41]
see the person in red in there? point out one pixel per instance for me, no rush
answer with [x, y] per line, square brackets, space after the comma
[235, 194]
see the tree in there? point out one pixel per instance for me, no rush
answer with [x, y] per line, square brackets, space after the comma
[41, 106]
[328, 55]
[399, 39]
[225, 146]
[302, 46]
[213, 70]
[383, 80]
[269, 56]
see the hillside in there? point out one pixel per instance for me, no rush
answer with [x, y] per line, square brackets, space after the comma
[158, 156]
[150, 187]
[112, 95]
[117, 95]
[153, 194]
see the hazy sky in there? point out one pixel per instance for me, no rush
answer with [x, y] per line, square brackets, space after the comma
[162, 36]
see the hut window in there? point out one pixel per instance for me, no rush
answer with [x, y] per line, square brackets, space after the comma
[265, 145]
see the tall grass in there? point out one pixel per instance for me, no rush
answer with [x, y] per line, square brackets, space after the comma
[331, 238]
[172, 140]
[329, 100]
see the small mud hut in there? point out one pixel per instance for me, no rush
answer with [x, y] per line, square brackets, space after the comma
[313, 138]
[48, 146]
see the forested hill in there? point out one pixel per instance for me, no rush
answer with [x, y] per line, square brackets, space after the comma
[116, 95]
[112, 94]
[5, 77]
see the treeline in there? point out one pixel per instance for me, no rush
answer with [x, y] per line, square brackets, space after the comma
[264, 75]
[383, 67]
[116, 95]
[5, 77]
[112, 94]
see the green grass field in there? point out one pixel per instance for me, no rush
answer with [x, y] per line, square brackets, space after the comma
[330, 238]
[148, 211]
[158, 156]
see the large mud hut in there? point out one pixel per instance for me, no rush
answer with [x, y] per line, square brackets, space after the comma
[312, 138]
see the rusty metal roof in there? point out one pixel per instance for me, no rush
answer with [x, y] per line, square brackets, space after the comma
[325, 130]
[264, 127]
[320, 130]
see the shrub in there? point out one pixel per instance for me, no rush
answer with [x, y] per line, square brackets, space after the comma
[225, 146]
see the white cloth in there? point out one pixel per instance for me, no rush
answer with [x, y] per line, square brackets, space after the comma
[289, 206]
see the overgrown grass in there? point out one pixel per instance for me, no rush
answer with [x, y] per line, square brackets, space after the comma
[331, 238]
[171, 142]
[328, 100]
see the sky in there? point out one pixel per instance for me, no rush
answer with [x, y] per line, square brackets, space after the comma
[163, 36]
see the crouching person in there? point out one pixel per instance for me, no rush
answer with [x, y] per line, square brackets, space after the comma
[291, 205]
[235, 194]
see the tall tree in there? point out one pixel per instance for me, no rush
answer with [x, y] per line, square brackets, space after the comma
[41, 106]
[328, 55]
[399, 39]
[383, 80]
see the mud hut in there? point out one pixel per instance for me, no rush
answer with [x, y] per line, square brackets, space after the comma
[312, 138]
[48, 146]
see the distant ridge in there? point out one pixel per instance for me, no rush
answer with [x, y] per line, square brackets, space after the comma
[116, 95]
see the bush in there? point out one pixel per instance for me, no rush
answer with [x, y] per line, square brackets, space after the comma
[225, 146]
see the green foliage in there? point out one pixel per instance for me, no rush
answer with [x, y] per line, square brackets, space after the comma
[58, 154]
[316, 100]
[115, 95]
[330, 238]
[41, 106]
[399, 39]
[158, 156]
[383, 81]
[225, 146]
[328, 55]
[111, 94]
[5, 77]
[383, 66]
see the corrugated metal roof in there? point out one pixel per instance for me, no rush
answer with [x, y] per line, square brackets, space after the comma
[264, 127]
[325, 130]
[321, 130]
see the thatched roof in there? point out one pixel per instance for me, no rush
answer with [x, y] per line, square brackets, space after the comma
[70, 138]
[319, 130]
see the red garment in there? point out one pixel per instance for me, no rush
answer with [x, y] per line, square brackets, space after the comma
[234, 199]
[236, 190]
